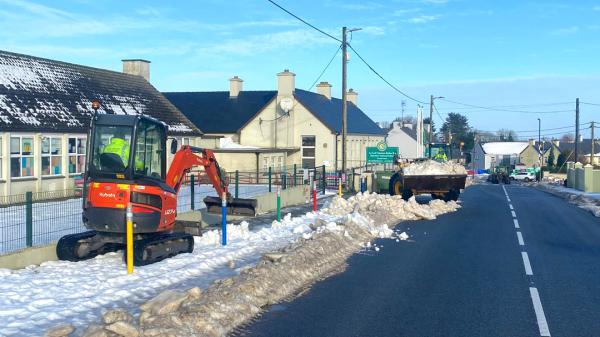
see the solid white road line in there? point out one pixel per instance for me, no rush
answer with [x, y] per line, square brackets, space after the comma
[516, 223]
[507, 198]
[513, 214]
[539, 312]
[526, 263]
[520, 239]
[510, 205]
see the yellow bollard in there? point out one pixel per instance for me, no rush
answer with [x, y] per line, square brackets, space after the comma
[340, 187]
[129, 234]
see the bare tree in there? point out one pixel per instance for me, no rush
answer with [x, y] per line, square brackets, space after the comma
[567, 137]
[507, 135]
[406, 120]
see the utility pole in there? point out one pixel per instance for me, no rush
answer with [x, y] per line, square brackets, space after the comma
[430, 136]
[541, 158]
[344, 103]
[592, 154]
[403, 104]
[576, 129]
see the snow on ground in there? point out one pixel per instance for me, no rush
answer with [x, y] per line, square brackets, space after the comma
[39, 297]
[52, 220]
[587, 201]
[432, 167]
[228, 143]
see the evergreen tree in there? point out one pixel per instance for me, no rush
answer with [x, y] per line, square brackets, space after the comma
[551, 159]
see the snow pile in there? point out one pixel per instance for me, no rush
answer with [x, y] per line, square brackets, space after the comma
[383, 208]
[588, 201]
[228, 143]
[432, 167]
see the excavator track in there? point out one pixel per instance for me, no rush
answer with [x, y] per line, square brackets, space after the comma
[159, 247]
[84, 246]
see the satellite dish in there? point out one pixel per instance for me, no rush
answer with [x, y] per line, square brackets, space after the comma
[286, 104]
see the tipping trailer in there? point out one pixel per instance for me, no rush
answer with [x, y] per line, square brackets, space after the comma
[446, 187]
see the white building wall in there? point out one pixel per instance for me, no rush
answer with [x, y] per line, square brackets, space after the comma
[408, 146]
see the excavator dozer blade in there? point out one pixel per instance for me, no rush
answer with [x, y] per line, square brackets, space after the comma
[235, 206]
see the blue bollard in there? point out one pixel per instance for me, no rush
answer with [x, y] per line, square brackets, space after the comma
[224, 220]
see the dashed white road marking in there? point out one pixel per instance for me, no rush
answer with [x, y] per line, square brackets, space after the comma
[520, 239]
[516, 223]
[507, 198]
[539, 312]
[511, 206]
[513, 214]
[526, 263]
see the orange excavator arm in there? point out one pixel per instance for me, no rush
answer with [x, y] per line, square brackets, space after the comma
[189, 157]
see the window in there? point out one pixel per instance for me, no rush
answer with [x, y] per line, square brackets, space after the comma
[185, 141]
[77, 147]
[148, 154]
[21, 156]
[308, 151]
[51, 156]
[110, 150]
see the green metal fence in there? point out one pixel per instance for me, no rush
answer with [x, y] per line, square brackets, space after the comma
[33, 219]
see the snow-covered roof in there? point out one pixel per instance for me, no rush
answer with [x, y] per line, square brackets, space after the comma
[504, 148]
[45, 95]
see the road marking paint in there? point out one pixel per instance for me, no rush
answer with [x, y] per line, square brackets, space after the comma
[526, 263]
[539, 312]
[507, 198]
[516, 223]
[510, 205]
[520, 239]
[513, 214]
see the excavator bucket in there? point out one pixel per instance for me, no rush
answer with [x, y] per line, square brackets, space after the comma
[235, 206]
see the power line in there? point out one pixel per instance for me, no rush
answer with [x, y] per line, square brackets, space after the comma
[438, 113]
[505, 110]
[326, 67]
[383, 79]
[303, 21]
[536, 130]
[510, 106]
[596, 104]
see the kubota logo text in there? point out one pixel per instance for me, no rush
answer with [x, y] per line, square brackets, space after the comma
[107, 195]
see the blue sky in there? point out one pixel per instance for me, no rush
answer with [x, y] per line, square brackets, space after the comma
[511, 52]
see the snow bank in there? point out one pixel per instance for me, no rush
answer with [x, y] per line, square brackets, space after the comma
[588, 201]
[432, 167]
[318, 245]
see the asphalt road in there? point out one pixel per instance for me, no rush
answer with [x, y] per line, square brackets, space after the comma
[465, 274]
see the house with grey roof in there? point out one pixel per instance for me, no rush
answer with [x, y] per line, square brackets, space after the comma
[45, 110]
[406, 138]
[277, 128]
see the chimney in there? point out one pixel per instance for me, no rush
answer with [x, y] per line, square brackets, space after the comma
[352, 96]
[137, 67]
[581, 138]
[235, 86]
[324, 89]
[531, 141]
[286, 83]
[556, 142]
[408, 126]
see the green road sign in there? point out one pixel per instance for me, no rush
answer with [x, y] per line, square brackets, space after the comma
[381, 153]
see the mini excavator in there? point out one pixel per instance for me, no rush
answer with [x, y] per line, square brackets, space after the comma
[133, 172]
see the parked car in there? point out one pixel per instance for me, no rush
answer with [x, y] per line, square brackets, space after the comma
[524, 176]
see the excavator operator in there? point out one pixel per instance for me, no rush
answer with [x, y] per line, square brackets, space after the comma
[120, 146]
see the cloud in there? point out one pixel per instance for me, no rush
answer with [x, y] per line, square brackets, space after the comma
[373, 30]
[356, 6]
[264, 43]
[596, 8]
[435, 2]
[403, 12]
[421, 19]
[566, 30]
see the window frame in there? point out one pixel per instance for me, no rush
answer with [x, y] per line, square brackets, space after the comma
[21, 156]
[49, 155]
[313, 147]
[77, 155]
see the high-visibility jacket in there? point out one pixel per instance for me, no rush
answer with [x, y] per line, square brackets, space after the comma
[441, 157]
[119, 147]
